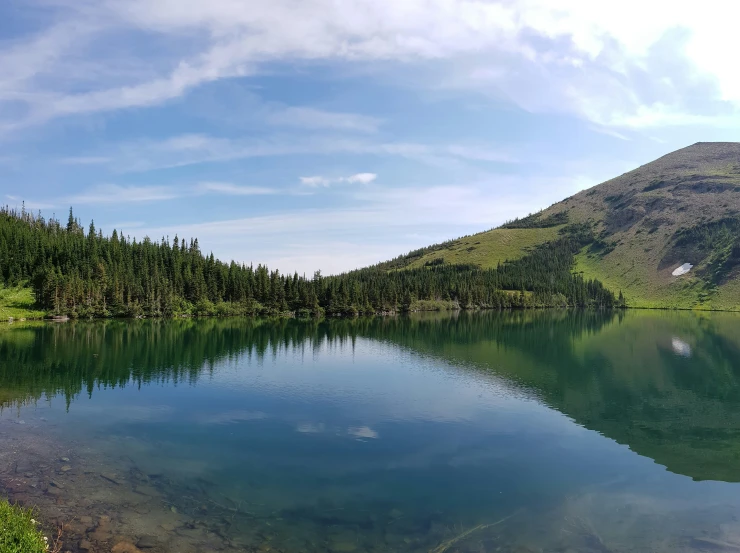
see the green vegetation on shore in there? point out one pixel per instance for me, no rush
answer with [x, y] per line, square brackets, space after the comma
[80, 273]
[18, 303]
[19, 532]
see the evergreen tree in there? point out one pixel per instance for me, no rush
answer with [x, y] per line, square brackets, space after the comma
[90, 275]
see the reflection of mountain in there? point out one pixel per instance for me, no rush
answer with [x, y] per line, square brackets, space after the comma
[619, 374]
[623, 377]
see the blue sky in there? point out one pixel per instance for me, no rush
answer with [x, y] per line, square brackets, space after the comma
[325, 134]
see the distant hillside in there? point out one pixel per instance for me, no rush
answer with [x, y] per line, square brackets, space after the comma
[681, 208]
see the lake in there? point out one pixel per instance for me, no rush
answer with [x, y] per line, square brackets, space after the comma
[536, 431]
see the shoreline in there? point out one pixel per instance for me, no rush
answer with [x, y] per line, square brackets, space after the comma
[293, 315]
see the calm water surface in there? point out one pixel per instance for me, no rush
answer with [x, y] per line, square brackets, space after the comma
[538, 431]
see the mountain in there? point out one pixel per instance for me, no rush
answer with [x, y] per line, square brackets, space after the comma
[681, 208]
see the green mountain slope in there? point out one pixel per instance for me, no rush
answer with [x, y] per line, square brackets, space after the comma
[682, 208]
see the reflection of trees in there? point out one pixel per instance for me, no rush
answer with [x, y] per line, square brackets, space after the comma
[69, 358]
[612, 372]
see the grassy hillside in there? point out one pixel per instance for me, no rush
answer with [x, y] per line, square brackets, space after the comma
[681, 208]
[18, 303]
[489, 248]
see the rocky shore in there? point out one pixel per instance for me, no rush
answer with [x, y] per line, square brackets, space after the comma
[98, 508]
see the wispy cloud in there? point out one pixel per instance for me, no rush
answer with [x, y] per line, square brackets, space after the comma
[198, 148]
[105, 194]
[85, 160]
[231, 189]
[359, 178]
[315, 181]
[311, 118]
[375, 223]
[567, 54]
[115, 194]
[609, 132]
[31, 205]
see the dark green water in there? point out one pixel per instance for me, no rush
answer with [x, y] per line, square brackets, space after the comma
[584, 431]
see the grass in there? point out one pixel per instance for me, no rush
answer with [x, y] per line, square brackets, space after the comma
[19, 531]
[633, 272]
[18, 302]
[487, 249]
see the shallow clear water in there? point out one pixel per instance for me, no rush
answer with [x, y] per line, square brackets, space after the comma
[584, 431]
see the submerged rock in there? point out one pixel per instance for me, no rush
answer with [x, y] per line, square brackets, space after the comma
[125, 547]
[23, 466]
[111, 478]
[147, 542]
[65, 468]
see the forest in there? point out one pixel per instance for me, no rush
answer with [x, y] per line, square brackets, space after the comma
[79, 272]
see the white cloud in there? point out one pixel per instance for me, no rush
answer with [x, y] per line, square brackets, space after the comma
[359, 178]
[597, 60]
[362, 432]
[362, 178]
[310, 428]
[230, 189]
[315, 181]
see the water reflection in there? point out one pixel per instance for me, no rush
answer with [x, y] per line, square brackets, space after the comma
[629, 377]
[389, 434]
[680, 347]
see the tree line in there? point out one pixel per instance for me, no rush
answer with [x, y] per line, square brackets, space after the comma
[82, 273]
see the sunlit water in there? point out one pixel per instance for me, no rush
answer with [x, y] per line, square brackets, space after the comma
[535, 431]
